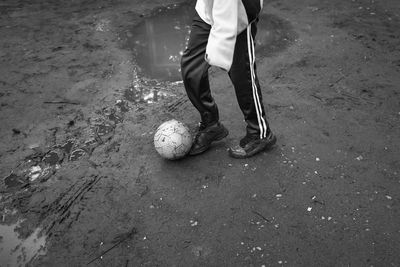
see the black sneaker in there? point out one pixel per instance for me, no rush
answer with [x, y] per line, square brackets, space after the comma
[206, 135]
[251, 145]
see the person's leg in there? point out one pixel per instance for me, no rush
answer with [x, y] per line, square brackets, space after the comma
[194, 70]
[243, 75]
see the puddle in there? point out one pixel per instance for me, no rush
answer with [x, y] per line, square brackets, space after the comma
[146, 92]
[15, 251]
[34, 173]
[144, 95]
[143, 90]
[14, 180]
[38, 167]
[67, 146]
[29, 171]
[159, 41]
[52, 158]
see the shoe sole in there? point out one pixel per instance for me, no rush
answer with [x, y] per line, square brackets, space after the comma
[224, 134]
[267, 145]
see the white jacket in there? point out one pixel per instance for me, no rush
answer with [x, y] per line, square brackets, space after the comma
[228, 18]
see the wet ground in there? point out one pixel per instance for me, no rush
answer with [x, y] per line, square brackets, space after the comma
[84, 85]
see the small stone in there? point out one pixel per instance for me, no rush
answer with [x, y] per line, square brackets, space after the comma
[388, 197]
[317, 159]
[309, 208]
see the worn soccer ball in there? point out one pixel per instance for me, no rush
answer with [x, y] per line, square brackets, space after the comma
[172, 140]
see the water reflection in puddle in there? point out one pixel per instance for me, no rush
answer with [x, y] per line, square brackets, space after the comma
[15, 251]
[144, 95]
[147, 91]
[159, 41]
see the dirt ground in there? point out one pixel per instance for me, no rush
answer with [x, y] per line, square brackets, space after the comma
[81, 183]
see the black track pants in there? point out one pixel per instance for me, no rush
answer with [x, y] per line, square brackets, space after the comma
[242, 74]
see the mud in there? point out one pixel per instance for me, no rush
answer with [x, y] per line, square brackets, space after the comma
[84, 85]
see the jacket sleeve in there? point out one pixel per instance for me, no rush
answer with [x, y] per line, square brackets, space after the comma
[222, 38]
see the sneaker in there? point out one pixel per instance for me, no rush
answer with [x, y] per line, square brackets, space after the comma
[206, 135]
[251, 145]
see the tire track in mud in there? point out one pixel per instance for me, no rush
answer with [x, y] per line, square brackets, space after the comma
[61, 210]
[177, 104]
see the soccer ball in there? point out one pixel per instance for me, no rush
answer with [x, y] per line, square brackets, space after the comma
[172, 140]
